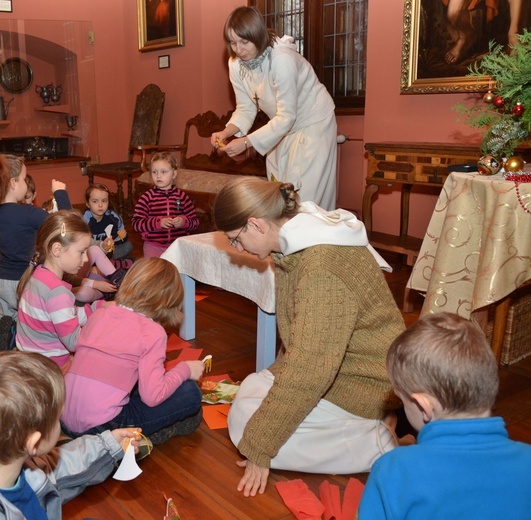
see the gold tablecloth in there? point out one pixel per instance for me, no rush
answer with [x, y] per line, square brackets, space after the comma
[477, 248]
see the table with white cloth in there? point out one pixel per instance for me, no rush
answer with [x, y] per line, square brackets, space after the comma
[477, 249]
[209, 258]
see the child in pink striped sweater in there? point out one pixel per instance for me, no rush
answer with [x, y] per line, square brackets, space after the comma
[164, 213]
[48, 320]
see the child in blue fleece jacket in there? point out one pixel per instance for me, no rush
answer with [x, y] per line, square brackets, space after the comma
[464, 466]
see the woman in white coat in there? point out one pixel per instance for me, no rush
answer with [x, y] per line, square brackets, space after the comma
[268, 74]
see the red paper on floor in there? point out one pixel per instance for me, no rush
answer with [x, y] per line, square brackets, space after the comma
[215, 415]
[176, 343]
[351, 499]
[300, 500]
[187, 354]
[331, 500]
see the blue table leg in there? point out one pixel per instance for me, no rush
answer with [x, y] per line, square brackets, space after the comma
[187, 329]
[266, 339]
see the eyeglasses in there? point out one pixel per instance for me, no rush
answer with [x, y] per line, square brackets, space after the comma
[234, 241]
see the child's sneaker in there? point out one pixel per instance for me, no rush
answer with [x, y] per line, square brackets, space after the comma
[117, 277]
[7, 333]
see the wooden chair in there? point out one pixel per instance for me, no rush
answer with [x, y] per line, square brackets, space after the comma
[145, 132]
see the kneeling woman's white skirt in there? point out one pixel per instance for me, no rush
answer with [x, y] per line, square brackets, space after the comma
[329, 440]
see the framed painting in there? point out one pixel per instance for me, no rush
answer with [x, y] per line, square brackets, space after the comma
[160, 24]
[443, 38]
[6, 6]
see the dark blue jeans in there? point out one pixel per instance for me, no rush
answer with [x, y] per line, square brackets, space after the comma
[183, 403]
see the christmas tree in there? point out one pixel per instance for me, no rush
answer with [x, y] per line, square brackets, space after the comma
[506, 111]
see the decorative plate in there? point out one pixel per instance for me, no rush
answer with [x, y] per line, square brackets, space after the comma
[16, 75]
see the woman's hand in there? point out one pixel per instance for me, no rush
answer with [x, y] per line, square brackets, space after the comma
[217, 140]
[196, 369]
[254, 478]
[237, 146]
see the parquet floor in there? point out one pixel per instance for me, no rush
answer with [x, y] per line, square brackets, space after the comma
[199, 471]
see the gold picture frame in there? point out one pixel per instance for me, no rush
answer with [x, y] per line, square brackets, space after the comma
[432, 61]
[160, 24]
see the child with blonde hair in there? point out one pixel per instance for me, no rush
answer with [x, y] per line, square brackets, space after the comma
[164, 213]
[34, 483]
[48, 320]
[18, 226]
[118, 377]
[464, 466]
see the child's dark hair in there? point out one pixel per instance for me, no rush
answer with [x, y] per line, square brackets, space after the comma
[447, 357]
[33, 395]
[248, 24]
[153, 287]
[97, 186]
[65, 227]
[10, 168]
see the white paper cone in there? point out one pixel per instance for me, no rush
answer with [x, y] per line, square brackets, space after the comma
[108, 230]
[128, 469]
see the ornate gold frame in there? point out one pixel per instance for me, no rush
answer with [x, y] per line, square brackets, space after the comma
[409, 82]
[174, 38]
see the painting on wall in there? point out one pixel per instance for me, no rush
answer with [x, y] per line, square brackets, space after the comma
[160, 24]
[443, 38]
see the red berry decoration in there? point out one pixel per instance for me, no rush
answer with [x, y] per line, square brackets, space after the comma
[498, 102]
[518, 109]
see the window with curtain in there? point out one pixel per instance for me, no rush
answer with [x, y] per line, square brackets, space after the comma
[332, 36]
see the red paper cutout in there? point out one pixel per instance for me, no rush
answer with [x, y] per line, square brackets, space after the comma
[351, 499]
[331, 499]
[300, 500]
[187, 354]
[190, 354]
[176, 343]
[215, 415]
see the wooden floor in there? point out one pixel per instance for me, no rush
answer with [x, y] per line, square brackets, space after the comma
[199, 471]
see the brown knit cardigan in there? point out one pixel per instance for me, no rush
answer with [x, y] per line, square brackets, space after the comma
[336, 318]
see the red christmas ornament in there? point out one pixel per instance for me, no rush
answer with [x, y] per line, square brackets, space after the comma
[498, 102]
[518, 109]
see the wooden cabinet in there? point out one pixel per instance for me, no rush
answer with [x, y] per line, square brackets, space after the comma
[402, 166]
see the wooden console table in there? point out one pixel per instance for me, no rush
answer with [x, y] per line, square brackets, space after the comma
[402, 166]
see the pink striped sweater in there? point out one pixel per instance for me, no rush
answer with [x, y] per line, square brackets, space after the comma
[155, 204]
[48, 320]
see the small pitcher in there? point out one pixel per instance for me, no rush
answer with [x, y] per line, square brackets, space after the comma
[45, 92]
[56, 94]
[4, 107]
